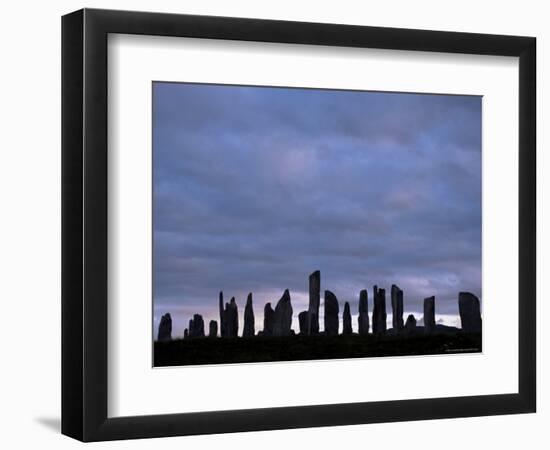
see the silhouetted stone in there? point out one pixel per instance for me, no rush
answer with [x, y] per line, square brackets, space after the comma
[199, 325]
[302, 320]
[231, 318]
[379, 315]
[225, 316]
[165, 328]
[363, 312]
[410, 324]
[269, 320]
[213, 329]
[347, 328]
[249, 326]
[223, 328]
[283, 316]
[397, 307]
[314, 323]
[470, 314]
[196, 326]
[185, 334]
[332, 310]
[429, 314]
[314, 301]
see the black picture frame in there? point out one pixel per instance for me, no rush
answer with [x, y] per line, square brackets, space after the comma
[84, 224]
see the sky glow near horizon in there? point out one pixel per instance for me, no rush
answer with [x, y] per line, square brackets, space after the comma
[254, 188]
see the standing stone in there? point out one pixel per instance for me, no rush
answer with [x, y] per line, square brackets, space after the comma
[199, 325]
[397, 307]
[223, 329]
[379, 315]
[347, 328]
[269, 320]
[249, 328]
[186, 334]
[196, 326]
[470, 313]
[231, 318]
[224, 317]
[332, 310]
[213, 329]
[363, 312]
[312, 323]
[314, 301]
[375, 312]
[191, 328]
[283, 316]
[410, 324]
[429, 314]
[303, 321]
[165, 328]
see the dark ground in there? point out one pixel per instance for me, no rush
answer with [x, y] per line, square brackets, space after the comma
[197, 351]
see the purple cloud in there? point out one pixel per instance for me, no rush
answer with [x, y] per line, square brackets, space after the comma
[255, 188]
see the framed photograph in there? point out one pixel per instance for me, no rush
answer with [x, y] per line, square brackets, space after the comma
[272, 224]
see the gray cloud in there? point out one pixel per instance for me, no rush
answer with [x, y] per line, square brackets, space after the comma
[254, 188]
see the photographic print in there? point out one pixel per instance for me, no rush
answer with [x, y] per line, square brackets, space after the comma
[310, 224]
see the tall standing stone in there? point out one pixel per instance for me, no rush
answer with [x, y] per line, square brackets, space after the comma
[249, 328]
[363, 312]
[303, 322]
[374, 309]
[185, 334]
[165, 328]
[213, 329]
[470, 313]
[269, 320]
[429, 314]
[283, 316]
[223, 329]
[312, 323]
[347, 328]
[379, 315]
[231, 318]
[397, 307]
[191, 328]
[332, 310]
[314, 301]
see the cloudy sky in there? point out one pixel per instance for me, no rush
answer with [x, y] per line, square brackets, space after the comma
[256, 187]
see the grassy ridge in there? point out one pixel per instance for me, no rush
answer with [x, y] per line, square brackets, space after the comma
[295, 348]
